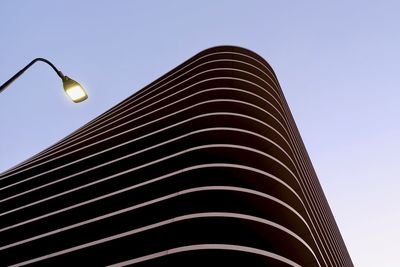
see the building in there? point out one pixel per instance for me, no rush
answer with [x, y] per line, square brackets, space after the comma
[203, 166]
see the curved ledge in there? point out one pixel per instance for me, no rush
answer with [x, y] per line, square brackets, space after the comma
[173, 221]
[207, 247]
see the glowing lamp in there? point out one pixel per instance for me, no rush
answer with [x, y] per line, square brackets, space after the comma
[74, 90]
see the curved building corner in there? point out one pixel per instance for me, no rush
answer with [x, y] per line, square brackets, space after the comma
[205, 165]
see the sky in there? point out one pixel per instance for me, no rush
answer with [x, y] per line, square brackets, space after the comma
[338, 64]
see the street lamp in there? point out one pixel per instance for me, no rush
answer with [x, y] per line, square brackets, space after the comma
[72, 88]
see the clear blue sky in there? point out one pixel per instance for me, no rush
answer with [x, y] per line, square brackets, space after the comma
[338, 63]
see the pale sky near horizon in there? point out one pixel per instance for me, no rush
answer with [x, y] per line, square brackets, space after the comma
[338, 64]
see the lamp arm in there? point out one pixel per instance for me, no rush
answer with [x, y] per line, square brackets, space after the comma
[19, 73]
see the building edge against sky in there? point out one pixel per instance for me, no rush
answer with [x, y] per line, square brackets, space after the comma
[203, 166]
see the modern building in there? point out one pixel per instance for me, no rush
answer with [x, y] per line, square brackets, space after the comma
[203, 166]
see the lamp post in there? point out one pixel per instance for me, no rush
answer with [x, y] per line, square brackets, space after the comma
[72, 88]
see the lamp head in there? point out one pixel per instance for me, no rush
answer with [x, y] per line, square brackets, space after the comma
[74, 90]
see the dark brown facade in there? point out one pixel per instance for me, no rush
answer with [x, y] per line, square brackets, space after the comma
[203, 166]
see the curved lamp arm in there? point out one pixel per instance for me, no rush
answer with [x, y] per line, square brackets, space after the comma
[19, 73]
[73, 89]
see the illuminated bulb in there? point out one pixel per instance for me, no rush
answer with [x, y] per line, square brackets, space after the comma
[74, 90]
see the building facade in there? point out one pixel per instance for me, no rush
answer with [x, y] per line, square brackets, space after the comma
[203, 166]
